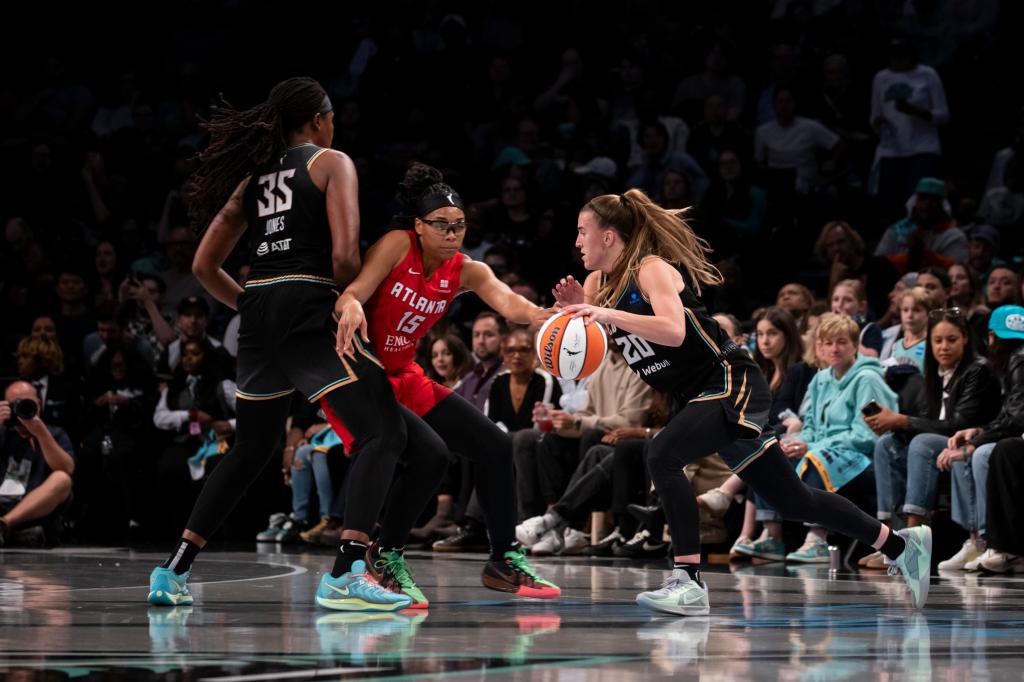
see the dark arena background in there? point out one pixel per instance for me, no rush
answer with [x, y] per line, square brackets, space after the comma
[851, 165]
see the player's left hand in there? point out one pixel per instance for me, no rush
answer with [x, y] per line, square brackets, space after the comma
[589, 313]
[567, 292]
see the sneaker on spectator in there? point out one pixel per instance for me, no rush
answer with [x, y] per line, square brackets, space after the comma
[574, 542]
[290, 532]
[320, 525]
[970, 551]
[875, 560]
[328, 536]
[765, 547]
[273, 528]
[975, 564]
[741, 548]
[813, 551]
[715, 501]
[1003, 562]
[470, 538]
[552, 542]
[641, 546]
[607, 544]
[33, 537]
[530, 531]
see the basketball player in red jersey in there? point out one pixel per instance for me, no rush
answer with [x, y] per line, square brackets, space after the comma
[407, 283]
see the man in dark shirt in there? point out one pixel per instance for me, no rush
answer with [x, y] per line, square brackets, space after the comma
[36, 463]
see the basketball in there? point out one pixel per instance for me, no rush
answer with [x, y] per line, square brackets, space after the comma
[570, 349]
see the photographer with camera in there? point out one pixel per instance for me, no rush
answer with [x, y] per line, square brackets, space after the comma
[36, 463]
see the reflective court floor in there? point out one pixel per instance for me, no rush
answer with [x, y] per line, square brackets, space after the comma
[79, 613]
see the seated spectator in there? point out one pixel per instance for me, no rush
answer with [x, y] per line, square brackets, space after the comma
[778, 348]
[1003, 287]
[616, 397]
[965, 293]
[115, 461]
[967, 453]
[449, 360]
[733, 206]
[41, 364]
[676, 191]
[111, 324]
[658, 159]
[841, 249]
[717, 80]
[196, 409]
[512, 220]
[38, 464]
[193, 320]
[983, 249]
[850, 299]
[107, 274]
[795, 299]
[141, 296]
[611, 473]
[997, 174]
[905, 345]
[715, 134]
[935, 282]
[959, 390]
[731, 325]
[1005, 525]
[180, 283]
[792, 143]
[928, 235]
[834, 446]
[1003, 207]
[75, 319]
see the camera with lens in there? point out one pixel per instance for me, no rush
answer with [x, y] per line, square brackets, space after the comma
[24, 408]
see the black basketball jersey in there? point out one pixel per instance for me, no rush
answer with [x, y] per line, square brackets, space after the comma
[678, 370]
[287, 221]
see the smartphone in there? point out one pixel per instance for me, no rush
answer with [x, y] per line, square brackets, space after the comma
[871, 409]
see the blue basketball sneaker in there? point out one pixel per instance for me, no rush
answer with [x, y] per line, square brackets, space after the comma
[357, 591]
[915, 564]
[167, 588]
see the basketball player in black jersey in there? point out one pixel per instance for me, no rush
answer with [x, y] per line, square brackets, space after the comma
[648, 271]
[298, 201]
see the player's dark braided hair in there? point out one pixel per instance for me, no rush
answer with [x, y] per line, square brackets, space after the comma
[240, 141]
[420, 182]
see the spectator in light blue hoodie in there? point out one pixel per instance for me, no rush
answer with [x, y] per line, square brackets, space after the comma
[835, 444]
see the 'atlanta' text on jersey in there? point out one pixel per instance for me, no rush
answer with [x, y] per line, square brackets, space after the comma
[407, 304]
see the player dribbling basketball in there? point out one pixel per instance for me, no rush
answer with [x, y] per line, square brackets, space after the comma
[648, 268]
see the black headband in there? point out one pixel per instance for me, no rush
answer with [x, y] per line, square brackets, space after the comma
[325, 107]
[432, 202]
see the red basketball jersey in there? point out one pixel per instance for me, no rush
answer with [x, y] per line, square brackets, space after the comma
[407, 304]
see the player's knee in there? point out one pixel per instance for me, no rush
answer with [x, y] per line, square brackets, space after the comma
[660, 457]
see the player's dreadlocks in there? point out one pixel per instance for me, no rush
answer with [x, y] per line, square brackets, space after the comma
[240, 141]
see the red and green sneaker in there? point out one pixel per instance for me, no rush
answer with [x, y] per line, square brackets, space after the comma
[514, 574]
[392, 571]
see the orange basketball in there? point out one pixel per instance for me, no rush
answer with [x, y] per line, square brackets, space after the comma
[570, 349]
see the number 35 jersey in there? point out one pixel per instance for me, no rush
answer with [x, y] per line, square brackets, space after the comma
[408, 303]
[683, 371]
[287, 221]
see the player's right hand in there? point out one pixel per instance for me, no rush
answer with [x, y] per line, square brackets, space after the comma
[352, 318]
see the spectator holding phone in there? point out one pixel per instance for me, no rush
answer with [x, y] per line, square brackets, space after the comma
[959, 389]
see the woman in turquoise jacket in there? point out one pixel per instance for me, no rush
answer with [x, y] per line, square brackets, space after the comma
[835, 444]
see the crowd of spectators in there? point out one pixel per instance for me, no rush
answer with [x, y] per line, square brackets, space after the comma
[854, 166]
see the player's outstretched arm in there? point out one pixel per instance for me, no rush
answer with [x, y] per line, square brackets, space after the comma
[479, 278]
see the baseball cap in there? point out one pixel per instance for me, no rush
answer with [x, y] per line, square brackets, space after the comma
[986, 233]
[1007, 322]
[511, 156]
[194, 305]
[932, 186]
[599, 165]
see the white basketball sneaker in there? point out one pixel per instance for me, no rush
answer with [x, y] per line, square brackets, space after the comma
[679, 594]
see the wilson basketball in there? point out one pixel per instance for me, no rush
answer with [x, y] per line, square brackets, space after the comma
[570, 349]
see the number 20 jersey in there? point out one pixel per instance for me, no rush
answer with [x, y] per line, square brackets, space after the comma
[683, 370]
[407, 304]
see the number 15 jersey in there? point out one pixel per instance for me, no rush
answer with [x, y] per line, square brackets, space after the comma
[407, 304]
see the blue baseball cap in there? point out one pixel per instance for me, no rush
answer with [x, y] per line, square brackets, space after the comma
[1007, 322]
